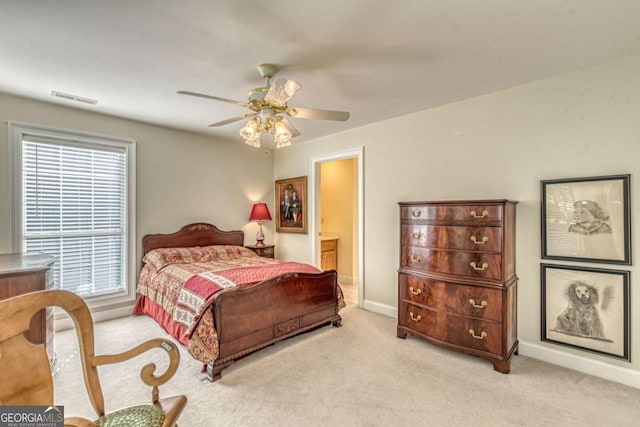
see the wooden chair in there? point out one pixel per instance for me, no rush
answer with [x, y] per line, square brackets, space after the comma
[25, 374]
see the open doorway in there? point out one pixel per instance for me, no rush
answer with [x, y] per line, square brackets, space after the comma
[336, 219]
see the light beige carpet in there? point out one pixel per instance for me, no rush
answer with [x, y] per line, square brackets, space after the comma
[357, 375]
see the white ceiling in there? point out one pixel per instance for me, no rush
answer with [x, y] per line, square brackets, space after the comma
[377, 59]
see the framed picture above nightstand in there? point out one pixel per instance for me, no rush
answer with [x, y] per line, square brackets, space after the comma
[266, 251]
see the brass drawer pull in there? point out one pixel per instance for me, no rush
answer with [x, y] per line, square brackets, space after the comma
[484, 240]
[414, 317]
[416, 258]
[417, 236]
[475, 215]
[483, 304]
[484, 266]
[416, 214]
[415, 291]
[482, 335]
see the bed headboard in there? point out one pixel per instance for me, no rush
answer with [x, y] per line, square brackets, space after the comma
[196, 234]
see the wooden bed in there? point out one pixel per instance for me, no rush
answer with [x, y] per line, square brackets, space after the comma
[250, 318]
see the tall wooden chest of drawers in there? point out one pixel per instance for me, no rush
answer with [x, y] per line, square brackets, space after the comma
[23, 273]
[457, 285]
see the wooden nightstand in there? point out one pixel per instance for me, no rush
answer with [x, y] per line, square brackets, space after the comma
[266, 251]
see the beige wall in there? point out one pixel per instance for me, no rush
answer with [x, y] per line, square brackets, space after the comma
[181, 177]
[338, 205]
[499, 145]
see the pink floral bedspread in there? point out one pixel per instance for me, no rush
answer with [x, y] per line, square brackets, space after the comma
[181, 284]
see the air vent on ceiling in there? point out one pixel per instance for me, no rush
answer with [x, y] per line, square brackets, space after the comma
[74, 97]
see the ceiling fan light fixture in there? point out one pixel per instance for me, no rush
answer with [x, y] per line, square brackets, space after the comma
[250, 130]
[267, 124]
[281, 134]
[291, 87]
[266, 114]
[283, 144]
[281, 91]
[255, 143]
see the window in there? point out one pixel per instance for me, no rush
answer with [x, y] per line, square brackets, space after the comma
[73, 200]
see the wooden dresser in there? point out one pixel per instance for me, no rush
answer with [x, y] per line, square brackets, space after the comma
[457, 284]
[23, 273]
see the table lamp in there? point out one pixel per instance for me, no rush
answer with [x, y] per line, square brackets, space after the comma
[259, 213]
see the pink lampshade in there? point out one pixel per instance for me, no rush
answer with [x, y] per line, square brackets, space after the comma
[260, 212]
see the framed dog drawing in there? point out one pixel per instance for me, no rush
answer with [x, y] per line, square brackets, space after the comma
[586, 308]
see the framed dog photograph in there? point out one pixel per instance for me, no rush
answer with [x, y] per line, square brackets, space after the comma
[587, 219]
[586, 308]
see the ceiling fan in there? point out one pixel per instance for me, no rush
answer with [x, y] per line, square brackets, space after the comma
[268, 105]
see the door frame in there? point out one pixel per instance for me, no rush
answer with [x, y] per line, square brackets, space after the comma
[314, 208]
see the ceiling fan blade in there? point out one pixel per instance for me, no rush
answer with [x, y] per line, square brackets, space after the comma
[216, 98]
[292, 130]
[314, 113]
[233, 119]
[281, 91]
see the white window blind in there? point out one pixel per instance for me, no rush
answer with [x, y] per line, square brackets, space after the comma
[74, 207]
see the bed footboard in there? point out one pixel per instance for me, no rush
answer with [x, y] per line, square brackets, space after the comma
[248, 319]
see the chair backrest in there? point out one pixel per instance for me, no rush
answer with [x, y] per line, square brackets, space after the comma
[25, 373]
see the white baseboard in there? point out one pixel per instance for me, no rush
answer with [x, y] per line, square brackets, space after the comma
[585, 365]
[619, 374]
[63, 321]
[376, 307]
[348, 280]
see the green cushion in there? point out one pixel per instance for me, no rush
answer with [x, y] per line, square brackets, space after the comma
[136, 416]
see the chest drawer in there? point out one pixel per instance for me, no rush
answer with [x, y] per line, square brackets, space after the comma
[473, 301]
[470, 264]
[483, 335]
[485, 239]
[463, 214]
